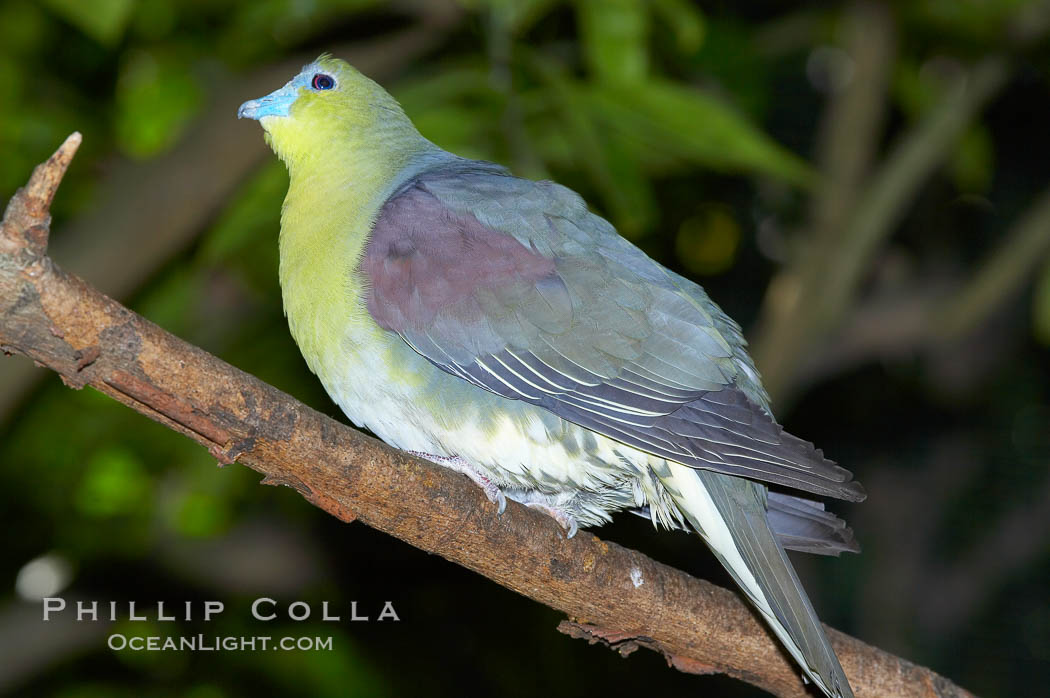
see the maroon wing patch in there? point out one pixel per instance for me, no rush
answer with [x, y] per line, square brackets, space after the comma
[423, 258]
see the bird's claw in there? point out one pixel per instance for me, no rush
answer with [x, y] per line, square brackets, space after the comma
[492, 491]
[564, 518]
[496, 496]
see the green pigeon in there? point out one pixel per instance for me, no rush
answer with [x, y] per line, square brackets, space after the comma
[498, 327]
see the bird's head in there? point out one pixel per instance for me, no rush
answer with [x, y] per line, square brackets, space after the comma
[329, 107]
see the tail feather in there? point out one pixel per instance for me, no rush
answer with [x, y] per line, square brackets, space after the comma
[802, 524]
[730, 514]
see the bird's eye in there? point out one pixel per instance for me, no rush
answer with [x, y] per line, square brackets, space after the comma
[322, 82]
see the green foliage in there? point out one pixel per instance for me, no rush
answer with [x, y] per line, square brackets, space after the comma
[973, 163]
[972, 20]
[115, 482]
[615, 39]
[621, 131]
[200, 515]
[156, 97]
[445, 106]
[244, 237]
[669, 122]
[254, 29]
[34, 114]
[102, 20]
[686, 22]
[707, 242]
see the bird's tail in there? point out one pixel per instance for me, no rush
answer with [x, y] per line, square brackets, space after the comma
[729, 513]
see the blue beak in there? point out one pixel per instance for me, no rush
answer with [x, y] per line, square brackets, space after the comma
[274, 104]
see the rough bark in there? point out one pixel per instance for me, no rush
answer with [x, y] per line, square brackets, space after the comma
[612, 595]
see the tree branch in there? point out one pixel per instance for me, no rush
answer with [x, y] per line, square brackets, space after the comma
[610, 593]
[934, 314]
[1006, 271]
[808, 301]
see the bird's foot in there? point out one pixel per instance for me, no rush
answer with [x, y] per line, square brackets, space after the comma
[491, 489]
[564, 518]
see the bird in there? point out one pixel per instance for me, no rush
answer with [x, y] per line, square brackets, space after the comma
[495, 325]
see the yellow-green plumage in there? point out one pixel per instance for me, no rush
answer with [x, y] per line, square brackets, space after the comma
[499, 327]
[340, 171]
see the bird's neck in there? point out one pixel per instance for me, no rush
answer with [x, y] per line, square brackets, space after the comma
[335, 194]
[328, 214]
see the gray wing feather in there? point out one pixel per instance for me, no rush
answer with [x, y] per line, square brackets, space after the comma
[514, 286]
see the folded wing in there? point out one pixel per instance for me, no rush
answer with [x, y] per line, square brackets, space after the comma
[515, 286]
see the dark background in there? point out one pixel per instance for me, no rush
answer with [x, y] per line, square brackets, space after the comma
[863, 186]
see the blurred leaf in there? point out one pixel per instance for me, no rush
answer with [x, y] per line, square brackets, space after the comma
[458, 129]
[913, 89]
[970, 20]
[23, 28]
[618, 134]
[611, 167]
[10, 81]
[630, 193]
[973, 162]
[201, 515]
[546, 132]
[685, 20]
[156, 96]
[154, 19]
[457, 108]
[261, 27]
[731, 60]
[169, 301]
[115, 482]
[689, 125]
[916, 87]
[252, 218]
[615, 37]
[706, 243]
[102, 20]
[516, 16]
[459, 81]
